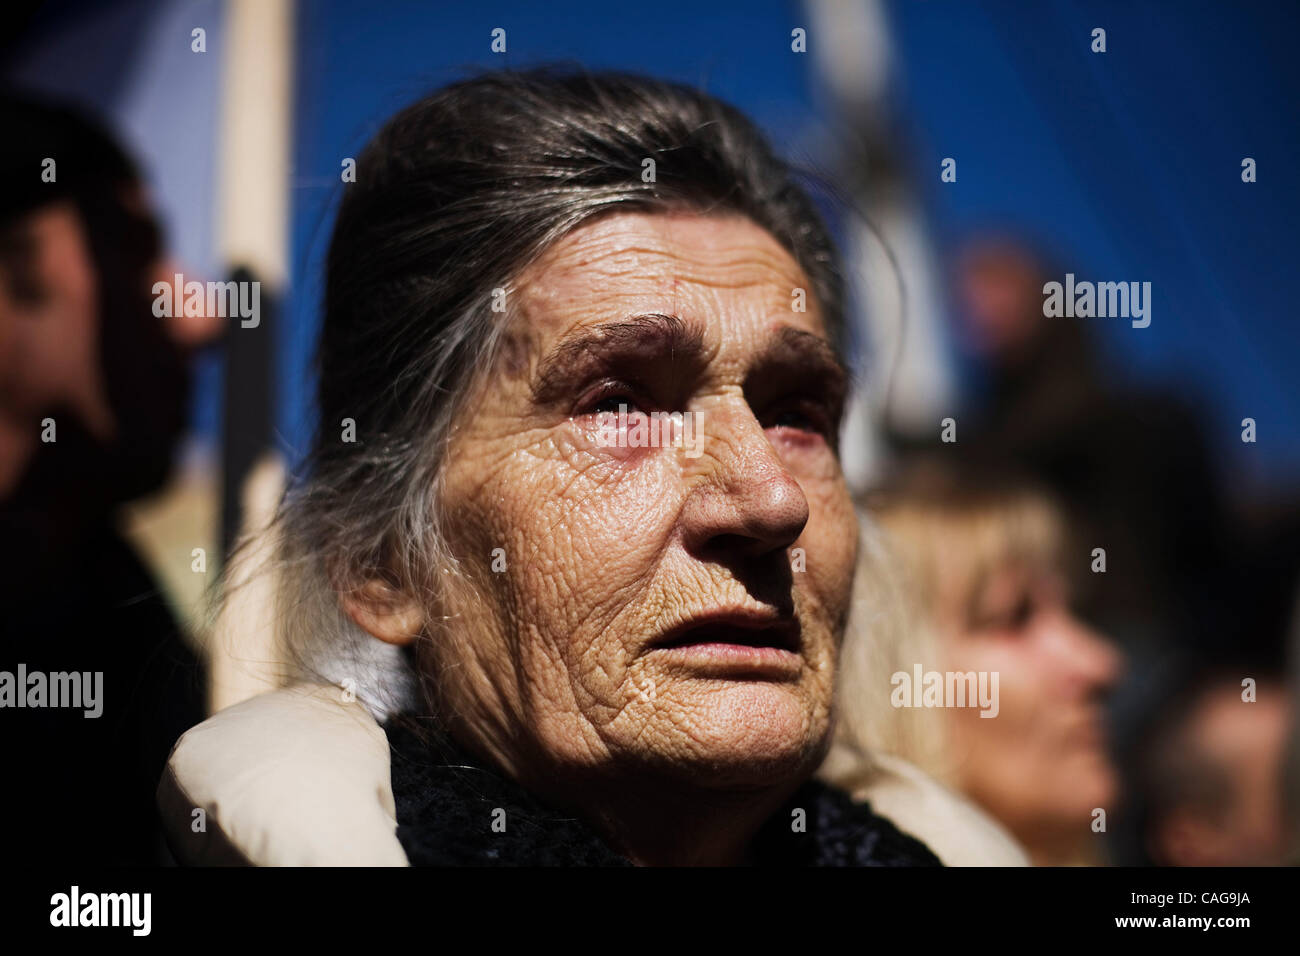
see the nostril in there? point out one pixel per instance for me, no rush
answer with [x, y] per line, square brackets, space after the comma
[763, 527]
[747, 505]
[739, 544]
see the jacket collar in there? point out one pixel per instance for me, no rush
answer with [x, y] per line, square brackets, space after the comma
[454, 811]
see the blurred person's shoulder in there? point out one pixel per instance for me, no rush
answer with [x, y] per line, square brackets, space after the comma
[846, 832]
[953, 827]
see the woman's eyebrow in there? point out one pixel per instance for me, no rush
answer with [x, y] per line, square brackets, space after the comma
[791, 347]
[638, 338]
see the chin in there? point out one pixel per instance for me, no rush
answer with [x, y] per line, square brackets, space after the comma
[751, 734]
[1077, 798]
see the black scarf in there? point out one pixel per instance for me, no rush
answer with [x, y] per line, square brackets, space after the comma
[446, 802]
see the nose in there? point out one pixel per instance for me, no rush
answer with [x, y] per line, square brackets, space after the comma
[1094, 662]
[748, 504]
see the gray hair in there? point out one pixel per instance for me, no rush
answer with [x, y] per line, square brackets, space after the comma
[453, 198]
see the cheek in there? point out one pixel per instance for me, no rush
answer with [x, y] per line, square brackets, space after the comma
[830, 543]
[577, 530]
[992, 750]
[1025, 739]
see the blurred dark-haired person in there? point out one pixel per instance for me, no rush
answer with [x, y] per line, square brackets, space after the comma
[980, 563]
[95, 679]
[590, 556]
[1208, 776]
[1130, 466]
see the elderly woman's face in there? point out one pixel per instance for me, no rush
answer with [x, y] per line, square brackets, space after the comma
[667, 600]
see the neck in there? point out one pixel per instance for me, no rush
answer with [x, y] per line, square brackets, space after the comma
[677, 824]
[1055, 848]
[648, 819]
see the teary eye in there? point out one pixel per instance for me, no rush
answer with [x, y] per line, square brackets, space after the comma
[801, 415]
[793, 418]
[610, 397]
[614, 403]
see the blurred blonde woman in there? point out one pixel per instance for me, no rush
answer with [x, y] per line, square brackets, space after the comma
[966, 577]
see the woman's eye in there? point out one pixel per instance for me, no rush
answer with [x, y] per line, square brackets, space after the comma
[793, 420]
[1021, 614]
[799, 418]
[614, 404]
[611, 397]
[1016, 617]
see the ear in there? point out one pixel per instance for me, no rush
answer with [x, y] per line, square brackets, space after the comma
[384, 611]
[187, 331]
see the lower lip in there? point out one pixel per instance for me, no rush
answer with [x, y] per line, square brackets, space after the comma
[734, 659]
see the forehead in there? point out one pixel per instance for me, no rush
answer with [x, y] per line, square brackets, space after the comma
[713, 267]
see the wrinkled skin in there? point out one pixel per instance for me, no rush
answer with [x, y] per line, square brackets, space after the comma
[549, 670]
